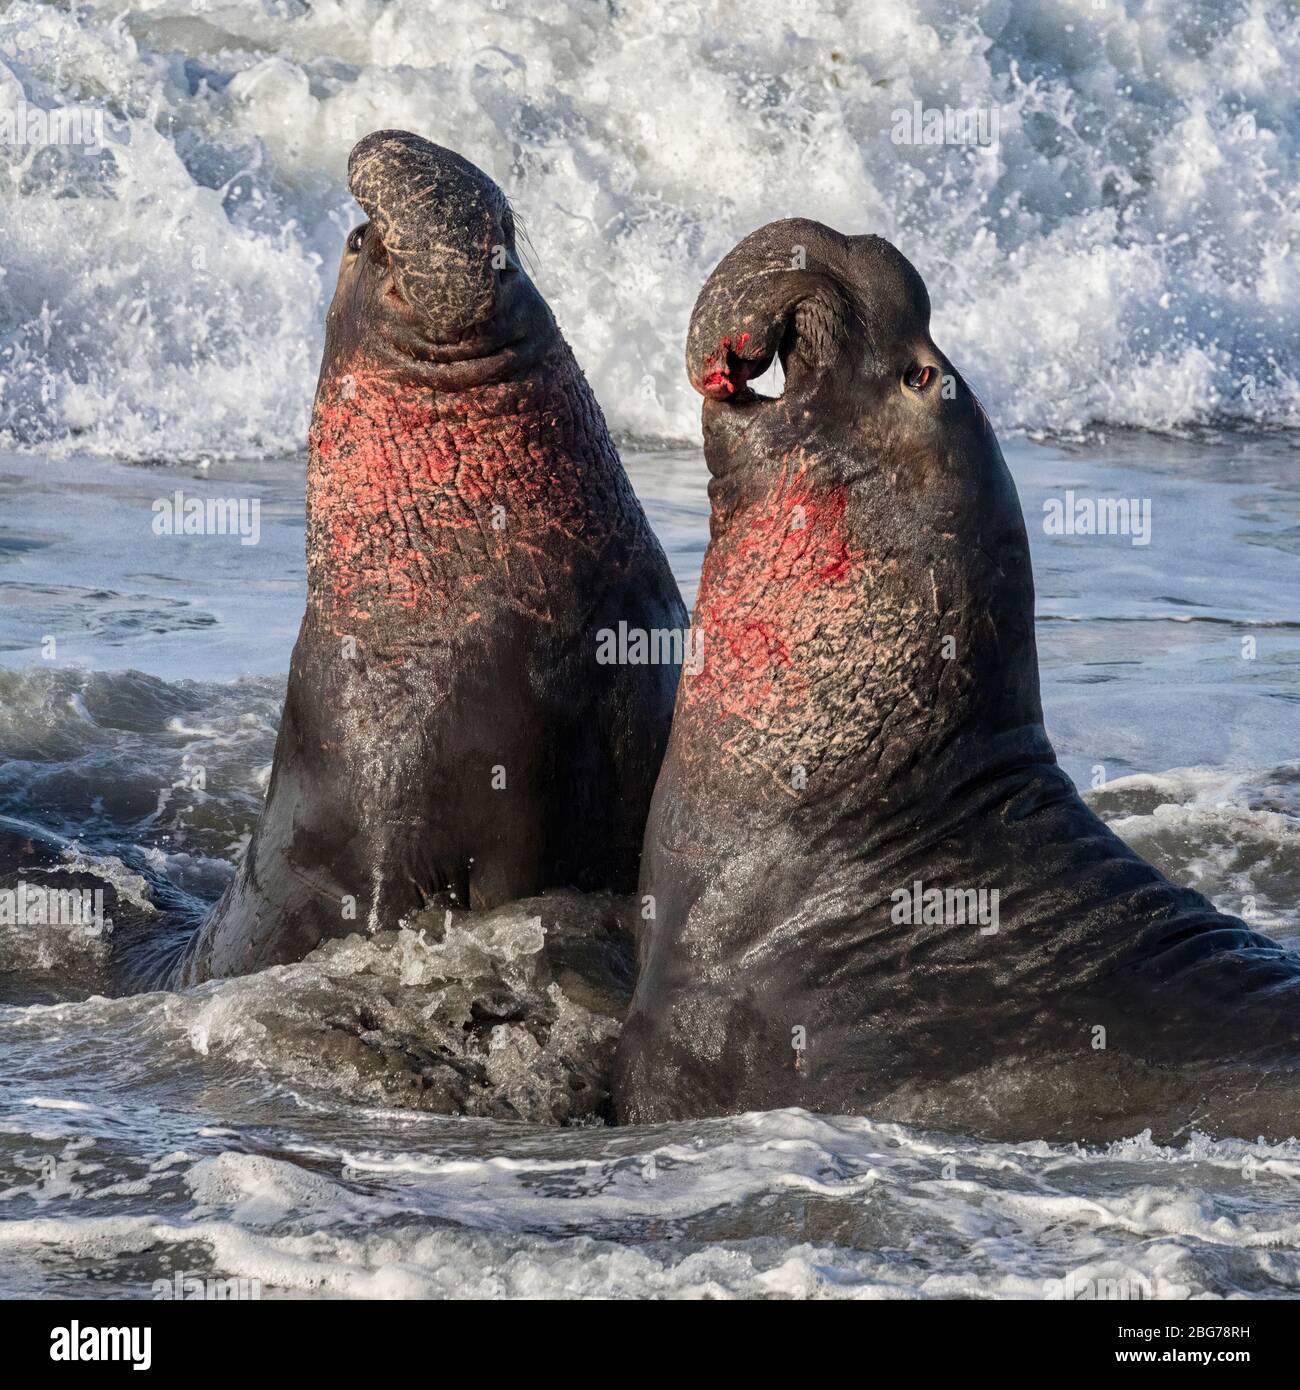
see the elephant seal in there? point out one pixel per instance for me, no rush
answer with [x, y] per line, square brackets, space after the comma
[873, 891]
[448, 728]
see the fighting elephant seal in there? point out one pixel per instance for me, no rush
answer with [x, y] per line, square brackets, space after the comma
[861, 765]
[448, 728]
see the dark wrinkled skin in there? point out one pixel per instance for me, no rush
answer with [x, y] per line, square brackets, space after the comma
[824, 648]
[470, 530]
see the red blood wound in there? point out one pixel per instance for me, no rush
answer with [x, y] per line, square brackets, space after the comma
[725, 371]
[419, 499]
[780, 576]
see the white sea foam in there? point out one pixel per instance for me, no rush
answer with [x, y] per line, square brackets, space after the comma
[554, 1217]
[1123, 254]
[1220, 832]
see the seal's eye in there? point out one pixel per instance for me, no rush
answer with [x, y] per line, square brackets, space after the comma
[355, 237]
[918, 377]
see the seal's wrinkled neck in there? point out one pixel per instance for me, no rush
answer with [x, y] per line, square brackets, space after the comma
[843, 656]
[414, 496]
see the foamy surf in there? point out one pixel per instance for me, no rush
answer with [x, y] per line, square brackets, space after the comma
[1120, 253]
[778, 1205]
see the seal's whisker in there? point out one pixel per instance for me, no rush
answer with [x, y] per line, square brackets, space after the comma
[524, 247]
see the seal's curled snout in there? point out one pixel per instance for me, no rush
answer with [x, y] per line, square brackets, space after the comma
[436, 267]
[775, 295]
[848, 317]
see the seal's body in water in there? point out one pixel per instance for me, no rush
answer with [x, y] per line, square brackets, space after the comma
[448, 728]
[866, 729]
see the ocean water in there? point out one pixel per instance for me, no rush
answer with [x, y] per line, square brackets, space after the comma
[1116, 277]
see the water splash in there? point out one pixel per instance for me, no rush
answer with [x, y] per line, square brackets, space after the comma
[1121, 254]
